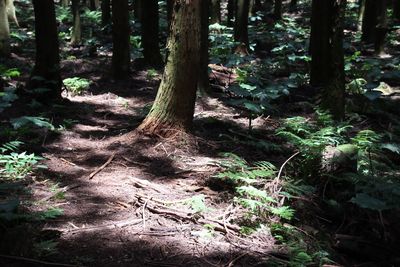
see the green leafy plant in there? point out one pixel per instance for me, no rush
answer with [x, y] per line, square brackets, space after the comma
[76, 85]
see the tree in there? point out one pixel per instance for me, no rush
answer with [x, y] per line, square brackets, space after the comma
[326, 44]
[46, 72]
[381, 27]
[173, 107]
[215, 11]
[204, 83]
[150, 28]
[231, 12]
[370, 20]
[76, 36]
[105, 12]
[121, 47]
[396, 9]
[278, 9]
[293, 5]
[4, 29]
[241, 23]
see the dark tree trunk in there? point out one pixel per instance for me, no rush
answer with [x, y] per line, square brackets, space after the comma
[170, 5]
[174, 105]
[215, 11]
[121, 31]
[203, 83]
[370, 20]
[76, 36]
[327, 65]
[105, 12]
[396, 9]
[150, 29]
[46, 72]
[137, 10]
[293, 6]
[381, 27]
[278, 9]
[231, 12]
[241, 23]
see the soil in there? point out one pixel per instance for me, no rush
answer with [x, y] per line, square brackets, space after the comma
[126, 197]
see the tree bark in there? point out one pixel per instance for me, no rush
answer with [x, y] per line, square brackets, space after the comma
[150, 29]
[215, 11]
[370, 20]
[231, 12]
[46, 72]
[174, 105]
[105, 12]
[278, 9]
[241, 23]
[121, 37]
[327, 65]
[381, 27]
[4, 30]
[203, 83]
[293, 6]
[396, 9]
[361, 10]
[76, 36]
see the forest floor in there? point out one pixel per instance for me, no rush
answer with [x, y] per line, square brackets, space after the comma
[135, 210]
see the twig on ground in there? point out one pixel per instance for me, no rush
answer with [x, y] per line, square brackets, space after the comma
[119, 224]
[47, 263]
[102, 166]
[141, 183]
[135, 162]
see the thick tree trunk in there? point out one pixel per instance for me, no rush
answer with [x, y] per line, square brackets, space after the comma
[105, 12]
[150, 29]
[203, 83]
[327, 65]
[170, 5]
[278, 9]
[241, 23]
[121, 47]
[174, 105]
[76, 36]
[46, 72]
[215, 11]
[4, 30]
[137, 10]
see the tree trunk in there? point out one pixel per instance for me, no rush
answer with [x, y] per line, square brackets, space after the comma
[46, 72]
[293, 6]
[137, 10]
[370, 20]
[327, 65]
[150, 29]
[278, 9]
[381, 27]
[215, 11]
[170, 5]
[121, 31]
[105, 12]
[203, 83]
[64, 3]
[76, 36]
[241, 24]
[231, 12]
[174, 105]
[361, 11]
[4, 30]
[396, 9]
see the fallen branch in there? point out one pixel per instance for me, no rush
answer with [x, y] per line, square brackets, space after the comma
[102, 166]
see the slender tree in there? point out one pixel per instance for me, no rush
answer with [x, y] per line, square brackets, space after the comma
[381, 27]
[231, 12]
[241, 23]
[121, 31]
[4, 29]
[215, 11]
[361, 10]
[76, 36]
[46, 72]
[173, 107]
[327, 65]
[278, 9]
[150, 28]
[370, 20]
[203, 83]
[105, 12]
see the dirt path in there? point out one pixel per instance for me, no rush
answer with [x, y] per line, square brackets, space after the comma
[132, 205]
